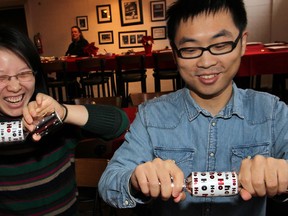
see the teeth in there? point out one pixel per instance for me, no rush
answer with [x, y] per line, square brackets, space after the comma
[208, 76]
[14, 99]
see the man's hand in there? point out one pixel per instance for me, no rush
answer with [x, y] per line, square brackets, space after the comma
[262, 176]
[153, 179]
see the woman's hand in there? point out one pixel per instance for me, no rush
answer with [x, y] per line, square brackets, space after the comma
[36, 110]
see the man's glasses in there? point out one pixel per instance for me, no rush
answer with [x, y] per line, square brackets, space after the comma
[214, 49]
[21, 77]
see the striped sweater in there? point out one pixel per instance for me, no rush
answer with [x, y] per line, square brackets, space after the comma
[42, 181]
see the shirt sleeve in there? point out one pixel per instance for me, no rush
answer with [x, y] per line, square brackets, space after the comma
[114, 186]
[106, 121]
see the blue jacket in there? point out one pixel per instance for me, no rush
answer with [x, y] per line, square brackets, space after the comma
[175, 127]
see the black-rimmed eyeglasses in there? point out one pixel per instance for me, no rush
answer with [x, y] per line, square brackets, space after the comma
[214, 49]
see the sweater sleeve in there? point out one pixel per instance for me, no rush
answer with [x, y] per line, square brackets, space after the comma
[106, 121]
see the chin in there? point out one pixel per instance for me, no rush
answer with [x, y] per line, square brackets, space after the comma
[13, 112]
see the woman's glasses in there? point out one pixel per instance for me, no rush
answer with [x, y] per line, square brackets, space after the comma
[26, 76]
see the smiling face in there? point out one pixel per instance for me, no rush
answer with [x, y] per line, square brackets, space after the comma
[209, 76]
[75, 34]
[14, 95]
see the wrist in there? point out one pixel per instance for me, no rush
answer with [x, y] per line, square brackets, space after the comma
[65, 112]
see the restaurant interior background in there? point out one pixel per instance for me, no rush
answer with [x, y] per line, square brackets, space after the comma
[267, 22]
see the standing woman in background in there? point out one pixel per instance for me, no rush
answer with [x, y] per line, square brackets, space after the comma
[78, 42]
[38, 178]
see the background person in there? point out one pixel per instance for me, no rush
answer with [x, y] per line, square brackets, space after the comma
[76, 48]
[208, 126]
[37, 178]
[78, 43]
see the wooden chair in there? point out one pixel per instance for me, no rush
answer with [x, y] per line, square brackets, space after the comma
[138, 98]
[129, 68]
[165, 69]
[92, 73]
[88, 172]
[58, 69]
[92, 146]
[115, 101]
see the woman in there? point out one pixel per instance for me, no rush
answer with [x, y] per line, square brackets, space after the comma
[38, 178]
[78, 43]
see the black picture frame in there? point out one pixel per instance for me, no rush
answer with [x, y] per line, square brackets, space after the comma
[105, 37]
[158, 10]
[131, 12]
[82, 22]
[131, 39]
[103, 13]
[159, 32]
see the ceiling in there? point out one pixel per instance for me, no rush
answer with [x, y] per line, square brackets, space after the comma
[10, 3]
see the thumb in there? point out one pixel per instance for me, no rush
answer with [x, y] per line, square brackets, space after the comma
[180, 197]
[245, 194]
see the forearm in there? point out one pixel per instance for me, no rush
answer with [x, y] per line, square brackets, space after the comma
[76, 114]
[106, 121]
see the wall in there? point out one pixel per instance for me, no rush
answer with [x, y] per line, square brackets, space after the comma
[279, 30]
[53, 18]
[259, 20]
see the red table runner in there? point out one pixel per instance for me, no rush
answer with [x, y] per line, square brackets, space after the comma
[260, 60]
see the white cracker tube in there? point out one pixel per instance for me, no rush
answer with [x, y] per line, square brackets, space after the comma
[208, 184]
[11, 132]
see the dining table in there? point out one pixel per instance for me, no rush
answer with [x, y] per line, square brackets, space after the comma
[260, 60]
[110, 61]
[263, 59]
[257, 60]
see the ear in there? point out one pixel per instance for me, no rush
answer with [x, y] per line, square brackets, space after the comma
[244, 42]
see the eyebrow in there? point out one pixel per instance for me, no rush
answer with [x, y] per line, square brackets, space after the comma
[223, 33]
[219, 34]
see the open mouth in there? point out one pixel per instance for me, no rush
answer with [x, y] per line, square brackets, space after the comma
[14, 99]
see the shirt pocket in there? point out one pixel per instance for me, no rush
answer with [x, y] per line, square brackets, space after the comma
[183, 157]
[242, 152]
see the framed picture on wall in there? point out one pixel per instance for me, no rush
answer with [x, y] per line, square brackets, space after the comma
[159, 32]
[131, 39]
[105, 37]
[82, 22]
[158, 10]
[131, 12]
[103, 13]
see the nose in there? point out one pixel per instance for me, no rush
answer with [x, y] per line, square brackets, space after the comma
[207, 60]
[14, 85]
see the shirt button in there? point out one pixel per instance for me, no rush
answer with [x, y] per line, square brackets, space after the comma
[126, 203]
[213, 124]
[211, 154]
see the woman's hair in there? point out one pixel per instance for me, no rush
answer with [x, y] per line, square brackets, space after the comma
[80, 31]
[182, 10]
[18, 43]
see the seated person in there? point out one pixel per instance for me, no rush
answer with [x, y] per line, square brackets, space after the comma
[78, 43]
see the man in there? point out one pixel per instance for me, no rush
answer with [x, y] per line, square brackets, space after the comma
[209, 126]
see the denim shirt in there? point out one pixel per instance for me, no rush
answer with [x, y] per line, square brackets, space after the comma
[175, 127]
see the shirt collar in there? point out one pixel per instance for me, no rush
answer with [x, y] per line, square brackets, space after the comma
[233, 107]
